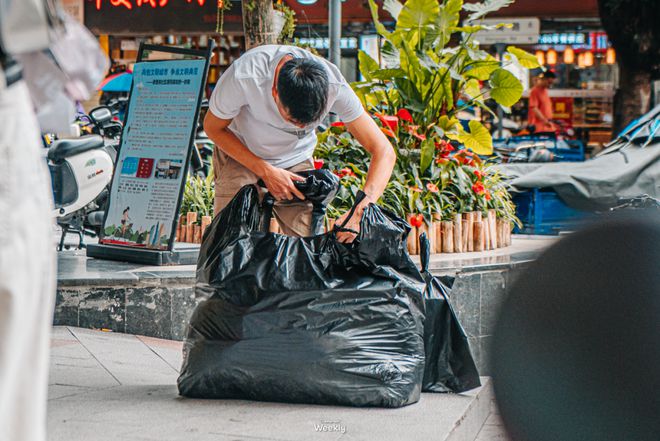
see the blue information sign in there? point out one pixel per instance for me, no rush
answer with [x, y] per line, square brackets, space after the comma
[151, 165]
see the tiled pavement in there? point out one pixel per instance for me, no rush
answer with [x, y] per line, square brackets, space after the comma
[111, 386]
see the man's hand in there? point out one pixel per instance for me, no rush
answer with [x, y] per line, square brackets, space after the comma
[280, 183]
[353, 223]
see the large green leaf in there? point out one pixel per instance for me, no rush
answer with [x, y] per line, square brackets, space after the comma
[374, 16]
[486, 7]
[481, 70]
[389, 54]
[448, 17]
[428, 152]
[472, 88]
[506, 90]
[478, 139]
[367, 65]
[394, 7]
[417, 15]
[388, 74]
[524, 58]
[450, 127]
[410, 94]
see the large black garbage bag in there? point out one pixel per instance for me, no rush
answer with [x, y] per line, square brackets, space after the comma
[449, 364]
[306, 320]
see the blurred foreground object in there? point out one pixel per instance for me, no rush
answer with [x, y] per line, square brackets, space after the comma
[29, 28]
[577, 344]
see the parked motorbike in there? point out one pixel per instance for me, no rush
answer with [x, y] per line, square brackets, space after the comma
[81, 171]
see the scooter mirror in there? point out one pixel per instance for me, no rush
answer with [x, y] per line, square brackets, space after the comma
[101, 114]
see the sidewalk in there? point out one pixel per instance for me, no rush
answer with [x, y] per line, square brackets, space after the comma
[111, 386]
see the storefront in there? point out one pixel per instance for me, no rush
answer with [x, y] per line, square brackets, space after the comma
[585, 65]
[123, 24]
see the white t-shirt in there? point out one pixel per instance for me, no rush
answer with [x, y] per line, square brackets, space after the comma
[244, 95]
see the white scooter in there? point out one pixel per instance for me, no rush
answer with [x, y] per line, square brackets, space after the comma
[81, 171]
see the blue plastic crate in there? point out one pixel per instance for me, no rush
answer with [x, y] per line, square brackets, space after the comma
[567, 150]
[542, 212]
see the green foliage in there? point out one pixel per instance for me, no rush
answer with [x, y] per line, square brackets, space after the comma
[198, 196]
[427, 77]
[286, 35]
[415, 100]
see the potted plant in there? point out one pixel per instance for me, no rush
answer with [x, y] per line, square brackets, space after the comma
[433, 69]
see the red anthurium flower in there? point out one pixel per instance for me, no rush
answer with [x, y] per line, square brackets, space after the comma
[404, 115]
[442, 161]
[478, 188]
[413, 131]
[478, 174]
[389, 121]
[432, 188]
[318, 164]
[337, 124]
[488, 197]
[416, 220]
[388, 132]
[444, 148]
[345, 172]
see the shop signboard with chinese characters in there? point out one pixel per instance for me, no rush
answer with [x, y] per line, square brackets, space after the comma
[167, 17]
[151, 167]
[518, 31]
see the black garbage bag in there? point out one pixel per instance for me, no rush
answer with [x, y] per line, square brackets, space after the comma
[305, 320]
[449, 364]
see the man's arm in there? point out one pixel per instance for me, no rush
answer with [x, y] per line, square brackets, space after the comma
[383, 158]
[278, 181]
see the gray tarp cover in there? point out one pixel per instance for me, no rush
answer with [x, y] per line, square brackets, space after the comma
[628, 169]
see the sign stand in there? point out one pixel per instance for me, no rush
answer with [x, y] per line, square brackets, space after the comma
[153, 159]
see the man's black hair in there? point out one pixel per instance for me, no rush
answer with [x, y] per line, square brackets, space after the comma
[302, 87]
[548, 74]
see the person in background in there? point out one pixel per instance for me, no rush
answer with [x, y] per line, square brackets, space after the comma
[262, 117]
[540, 105]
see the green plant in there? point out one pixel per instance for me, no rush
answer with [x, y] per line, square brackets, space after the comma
[415, 100]
[223, 5]
[434, 81]
[198, 196]
[286, 35]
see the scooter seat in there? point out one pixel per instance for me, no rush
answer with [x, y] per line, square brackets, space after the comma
[65, 148]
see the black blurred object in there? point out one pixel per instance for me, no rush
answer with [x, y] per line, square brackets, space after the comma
[449, 364]
[576, 352]
[305, 320]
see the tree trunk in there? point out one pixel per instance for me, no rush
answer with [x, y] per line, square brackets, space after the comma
[633, 98]
[258, 23]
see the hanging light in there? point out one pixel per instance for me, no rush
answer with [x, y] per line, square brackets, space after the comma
[610, 56]
[580, 60]
[540, 56]
[569, 55]
[551, 57]
[588, 59]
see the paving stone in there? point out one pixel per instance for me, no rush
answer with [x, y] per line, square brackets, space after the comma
[129, 360]
[146, 406]
[170, 351]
